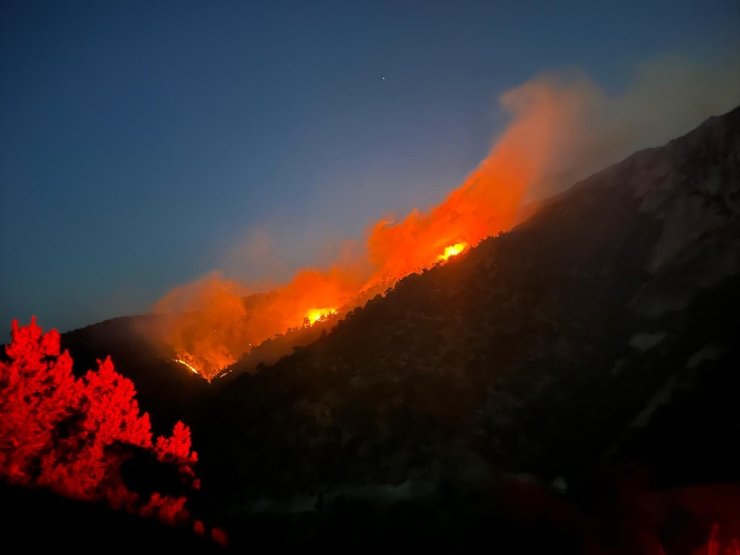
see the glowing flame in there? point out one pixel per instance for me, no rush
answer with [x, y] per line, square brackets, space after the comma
[189, 366]
[452, 250]
[313, 315]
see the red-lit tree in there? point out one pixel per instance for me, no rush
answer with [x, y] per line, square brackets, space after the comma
[71, 434]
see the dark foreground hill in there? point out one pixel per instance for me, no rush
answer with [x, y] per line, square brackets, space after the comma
[37, 521]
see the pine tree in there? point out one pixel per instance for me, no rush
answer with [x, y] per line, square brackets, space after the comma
[70, 434]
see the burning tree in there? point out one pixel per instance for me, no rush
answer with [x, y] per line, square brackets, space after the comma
[72, 435]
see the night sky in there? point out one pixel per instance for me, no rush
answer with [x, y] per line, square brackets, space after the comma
[144, 144]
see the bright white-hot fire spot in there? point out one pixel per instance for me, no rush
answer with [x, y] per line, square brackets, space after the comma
[452, 250]
[315, 314]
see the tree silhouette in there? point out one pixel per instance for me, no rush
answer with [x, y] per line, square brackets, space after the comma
[72, 435]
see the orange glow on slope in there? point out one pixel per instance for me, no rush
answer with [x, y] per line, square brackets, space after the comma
[452, 250]
[315, 314]
[216, 320]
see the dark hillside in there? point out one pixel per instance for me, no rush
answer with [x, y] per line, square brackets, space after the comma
[600, 332]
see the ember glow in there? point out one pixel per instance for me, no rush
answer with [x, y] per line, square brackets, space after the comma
[452, 250]
[316, 314]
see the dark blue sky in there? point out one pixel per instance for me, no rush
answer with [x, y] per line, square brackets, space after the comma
[140, 142]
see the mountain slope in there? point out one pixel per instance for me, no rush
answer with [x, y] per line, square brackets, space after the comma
[549, 350]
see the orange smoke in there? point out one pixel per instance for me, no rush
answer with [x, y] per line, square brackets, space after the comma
[214, 320]
[204, 327]
[491, 198]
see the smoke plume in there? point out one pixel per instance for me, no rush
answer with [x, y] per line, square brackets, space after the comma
[562, 127]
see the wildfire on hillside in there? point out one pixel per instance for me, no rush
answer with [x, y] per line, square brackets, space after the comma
[215, 320]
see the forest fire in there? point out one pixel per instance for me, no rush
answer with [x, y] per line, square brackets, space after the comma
[216, 320]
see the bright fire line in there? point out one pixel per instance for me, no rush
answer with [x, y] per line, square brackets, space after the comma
[192, 368]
